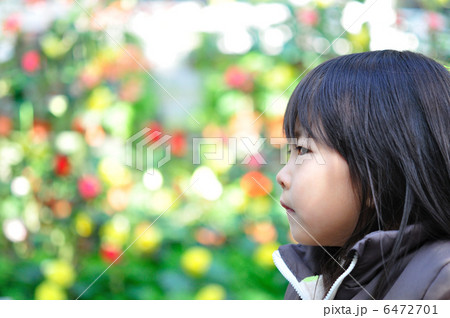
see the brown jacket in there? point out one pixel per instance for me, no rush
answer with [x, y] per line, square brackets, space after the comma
[425, 274]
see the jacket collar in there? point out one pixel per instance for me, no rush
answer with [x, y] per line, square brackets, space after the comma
[371, 251]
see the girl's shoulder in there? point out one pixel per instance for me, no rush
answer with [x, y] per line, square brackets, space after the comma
[427, 274]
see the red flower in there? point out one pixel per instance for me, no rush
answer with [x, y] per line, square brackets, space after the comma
[12, 23]
[237, 78]
[89, 187]
[179, 144]
[435, 21]
[156, 129]
[308, 17]
[110, 253]
[31, 61]
[62, 165]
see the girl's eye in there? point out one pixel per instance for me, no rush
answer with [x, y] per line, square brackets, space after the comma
[300, 150]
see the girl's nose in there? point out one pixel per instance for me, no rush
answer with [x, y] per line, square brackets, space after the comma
[283, 179]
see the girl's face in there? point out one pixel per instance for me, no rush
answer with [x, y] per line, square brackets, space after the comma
[317, 192]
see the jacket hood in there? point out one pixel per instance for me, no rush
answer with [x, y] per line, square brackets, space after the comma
[298, 263]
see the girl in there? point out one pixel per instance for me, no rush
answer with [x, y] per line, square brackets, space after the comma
[372, 218]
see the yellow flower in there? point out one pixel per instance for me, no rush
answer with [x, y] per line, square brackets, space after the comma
[83, 224]
[59, 272]
[55, 47]
[196, 261]
[361, 40]
[150, 240]
[100, 98]
[324, 3]
[115, 231]
[259, 206]
[279, 77]
[113, 172]
[211, 292]
[263, 254]
[161, 199]
[107, 55]
[49, 291]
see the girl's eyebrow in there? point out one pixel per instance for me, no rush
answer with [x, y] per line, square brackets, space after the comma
[300, 132]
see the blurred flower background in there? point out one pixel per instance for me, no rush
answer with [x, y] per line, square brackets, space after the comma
[79, 78]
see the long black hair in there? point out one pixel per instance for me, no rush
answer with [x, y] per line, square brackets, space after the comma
[388, 114]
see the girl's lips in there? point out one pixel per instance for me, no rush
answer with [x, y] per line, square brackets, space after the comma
[286, 207]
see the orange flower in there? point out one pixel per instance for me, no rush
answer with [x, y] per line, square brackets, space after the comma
[6, 125]
[256, 184]
[274, 128]
[41, 130]
[118, 198]
[94, 135]
[263, 232]
[207, 237]
[130, 91]
[62, 209]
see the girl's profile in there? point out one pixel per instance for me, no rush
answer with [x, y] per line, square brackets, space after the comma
[373, 222]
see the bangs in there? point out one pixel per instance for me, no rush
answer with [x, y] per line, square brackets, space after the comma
[308, 112]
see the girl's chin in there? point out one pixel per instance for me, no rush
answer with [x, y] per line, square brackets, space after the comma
[303, 238]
